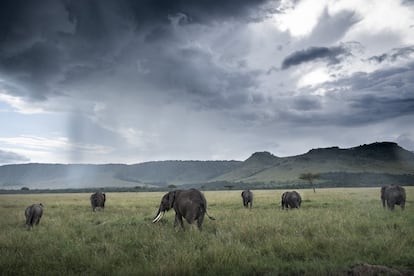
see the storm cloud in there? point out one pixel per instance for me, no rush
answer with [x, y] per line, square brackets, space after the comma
[129, 81]
[332, 55]
[394, 54]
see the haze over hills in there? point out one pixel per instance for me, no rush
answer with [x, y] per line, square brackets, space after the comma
[148, 174]
[366, 165]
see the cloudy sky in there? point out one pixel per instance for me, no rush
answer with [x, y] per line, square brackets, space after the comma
[131, 81]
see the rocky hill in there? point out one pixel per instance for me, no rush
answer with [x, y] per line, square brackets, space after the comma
[366, 165]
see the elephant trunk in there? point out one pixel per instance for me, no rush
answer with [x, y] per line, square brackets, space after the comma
[158, 217]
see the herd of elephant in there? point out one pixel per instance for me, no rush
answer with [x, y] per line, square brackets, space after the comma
[192, 205]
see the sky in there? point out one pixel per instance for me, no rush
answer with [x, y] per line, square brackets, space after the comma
[126, 81]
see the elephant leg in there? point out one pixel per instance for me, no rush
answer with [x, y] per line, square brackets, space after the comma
[200, 222]
[178, 219]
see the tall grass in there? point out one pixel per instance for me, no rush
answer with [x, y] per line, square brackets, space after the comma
[334, 229]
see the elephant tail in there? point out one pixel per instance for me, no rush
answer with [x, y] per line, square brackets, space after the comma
[204, 209]
[210, 217]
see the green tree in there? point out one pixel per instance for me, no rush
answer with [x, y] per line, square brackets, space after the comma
[310, 177]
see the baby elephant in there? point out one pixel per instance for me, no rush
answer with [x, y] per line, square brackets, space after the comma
[33, 214]
[247, 196]
[291, 200]
[98, 200]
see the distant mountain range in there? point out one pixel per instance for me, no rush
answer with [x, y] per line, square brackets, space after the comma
[366, 165]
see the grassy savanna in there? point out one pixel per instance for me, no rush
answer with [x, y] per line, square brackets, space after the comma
[334, 230]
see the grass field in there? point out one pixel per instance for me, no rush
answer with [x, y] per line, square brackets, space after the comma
[334, 230]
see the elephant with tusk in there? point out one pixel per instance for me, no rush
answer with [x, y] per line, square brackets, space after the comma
[189, 204]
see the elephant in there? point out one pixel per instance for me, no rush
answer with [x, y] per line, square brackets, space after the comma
[98, 200]
[33, 214]
[291, 200]
[190, 204]
[393, 195]
[247, 196]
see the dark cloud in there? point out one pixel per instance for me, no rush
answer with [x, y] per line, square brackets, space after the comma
[31, 54]
[125, 74]
[361, 99]
[407, 2]
[397, 82]
[373, 97]
[393, 55]
[46, 46]
[307, 103]
[206, 83]
[332, 55]
[150, 11]
[8, 157]
[24, 22]
[34, 68]
[371, 109]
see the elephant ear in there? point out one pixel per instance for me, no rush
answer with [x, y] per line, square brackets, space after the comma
[171, 199]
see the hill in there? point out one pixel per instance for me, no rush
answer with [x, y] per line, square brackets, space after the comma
[366, 165]
[77, 176]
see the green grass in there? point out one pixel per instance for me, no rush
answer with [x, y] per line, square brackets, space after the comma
[334, 230]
